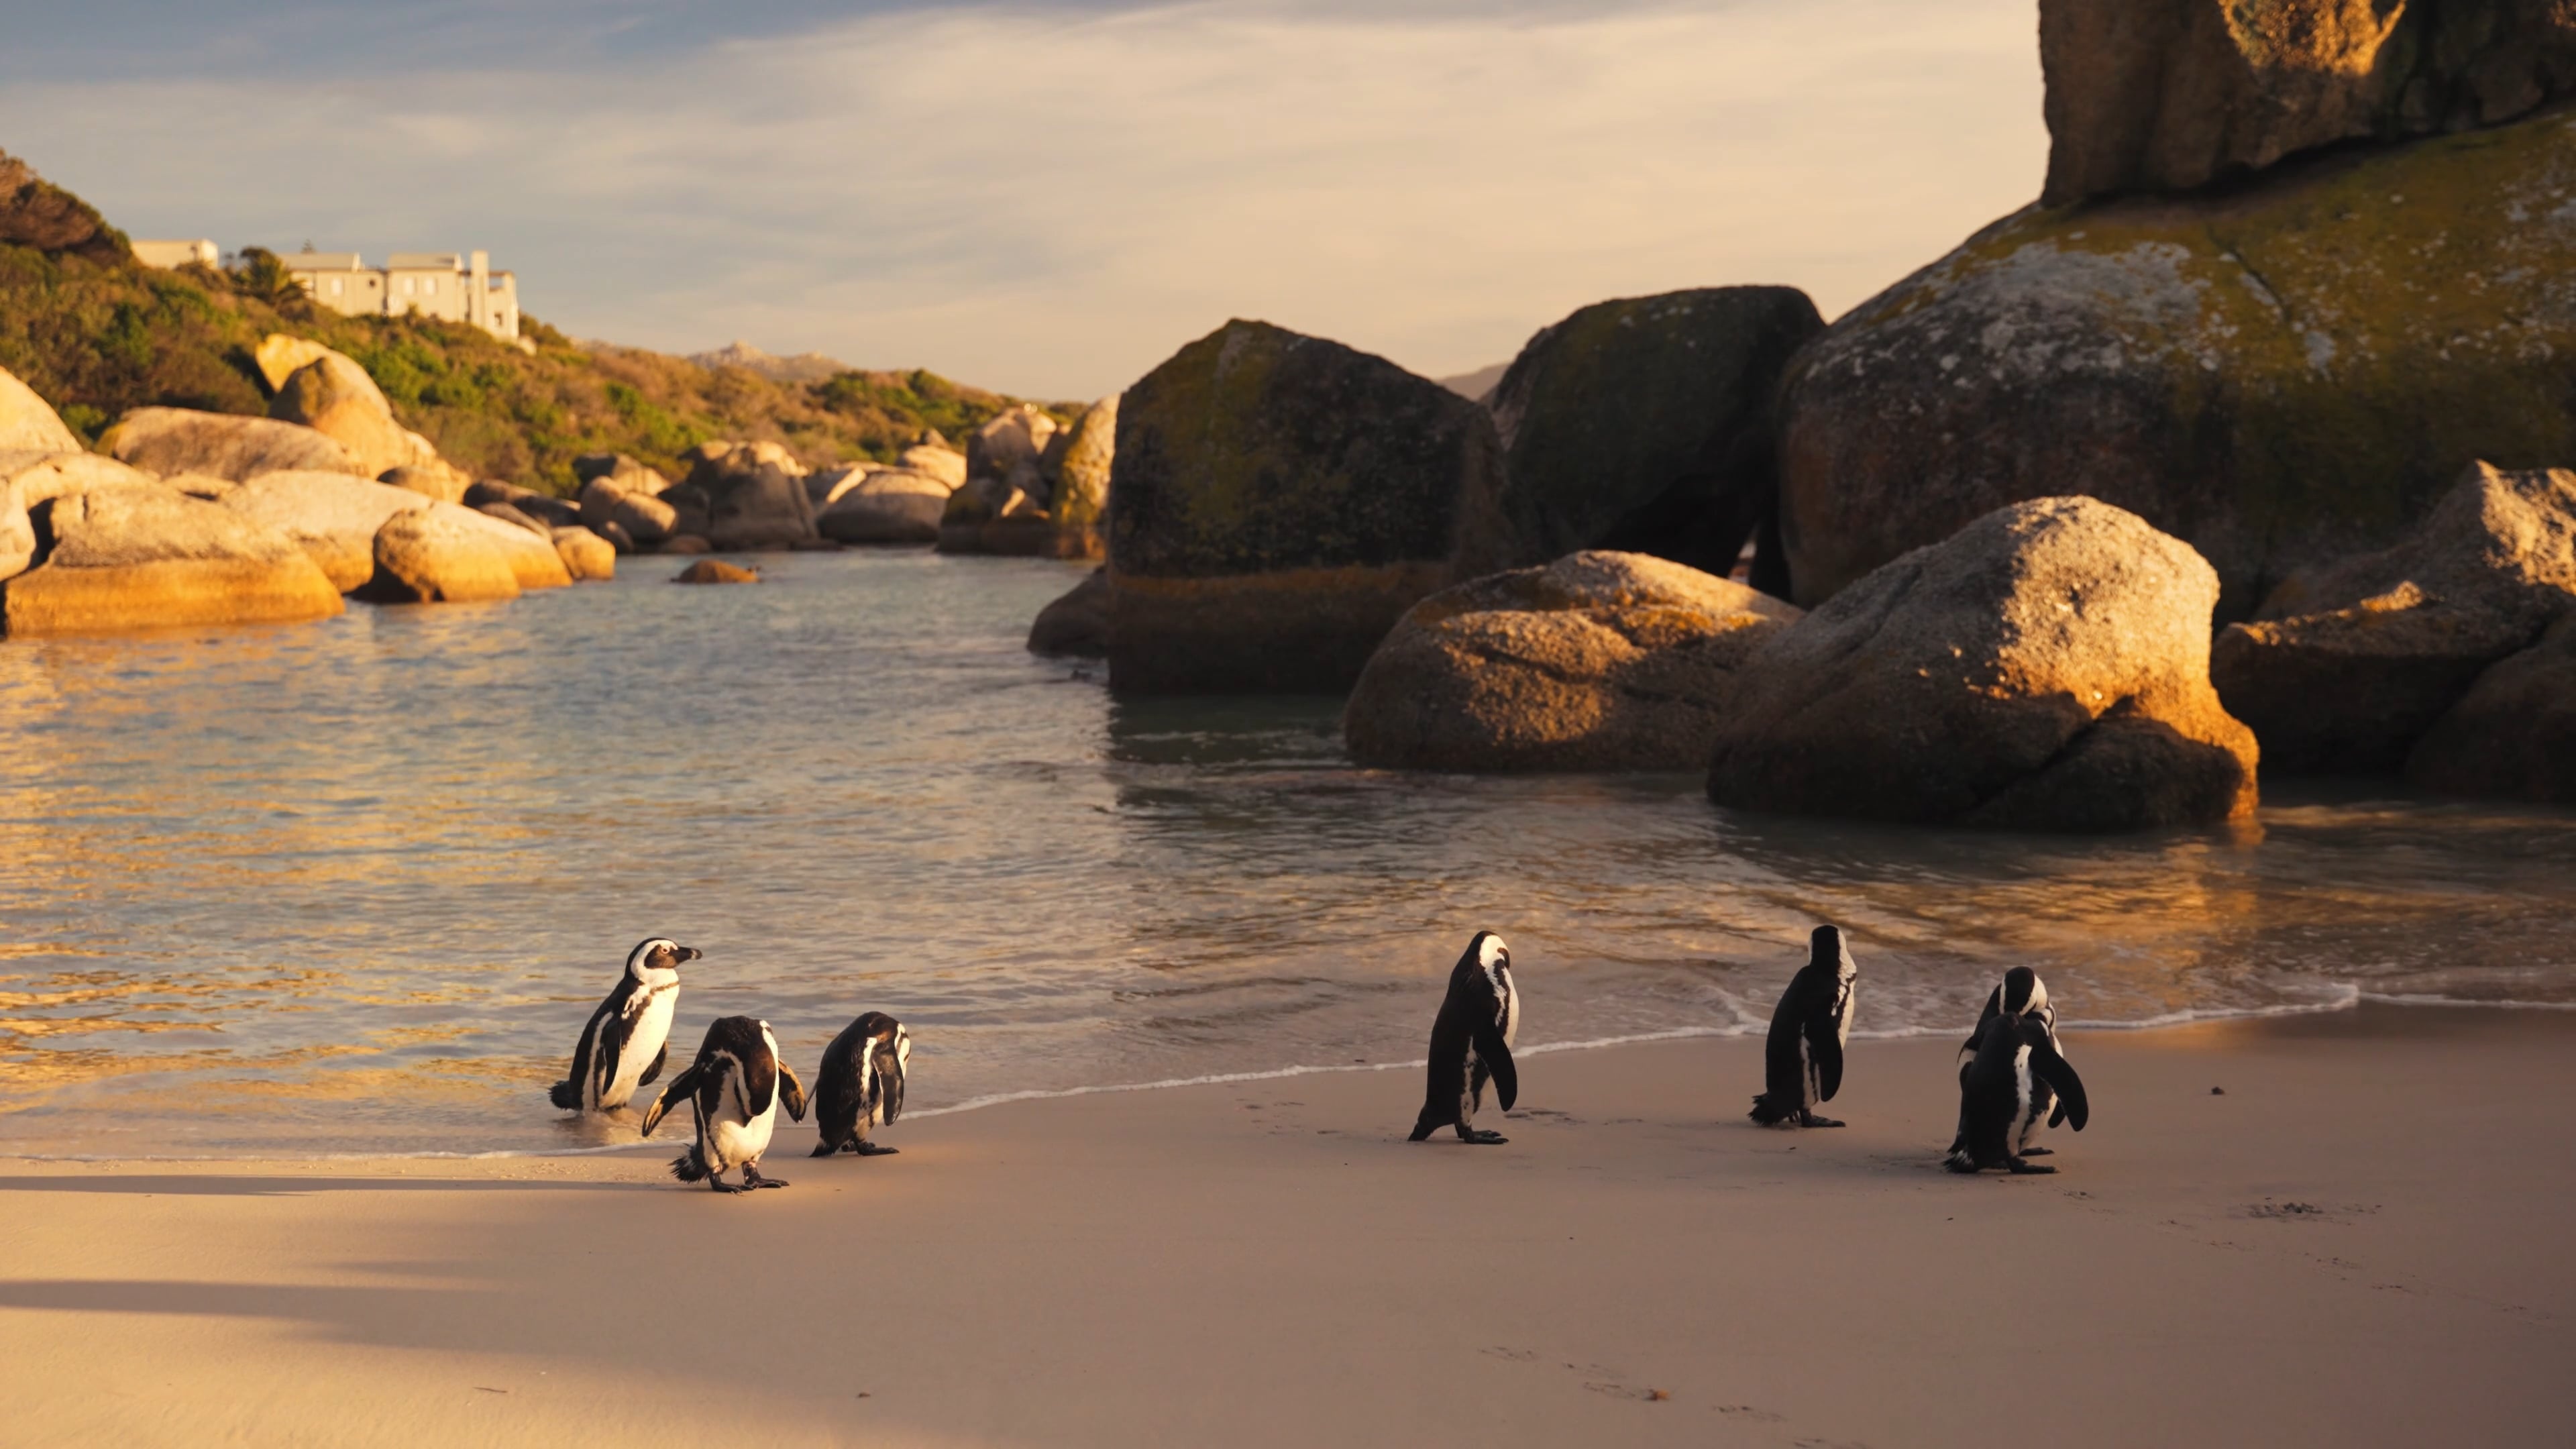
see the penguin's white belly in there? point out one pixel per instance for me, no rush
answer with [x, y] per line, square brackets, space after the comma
[732, 1139]
[652, 1030]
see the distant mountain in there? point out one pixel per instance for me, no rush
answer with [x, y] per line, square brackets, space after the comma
[1475, 384]
[803, 367]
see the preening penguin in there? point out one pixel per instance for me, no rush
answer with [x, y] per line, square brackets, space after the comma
[1471, 1040]
[1802, 1060]
[1998, 1089]
[736, 1085]
[2020, 993]
[622, 1047]
[860, 1084]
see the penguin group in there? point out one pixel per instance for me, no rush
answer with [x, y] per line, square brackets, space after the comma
[738, 1081]
[2012, 1071]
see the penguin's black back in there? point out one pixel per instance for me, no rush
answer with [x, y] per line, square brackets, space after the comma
[601, 1039]
[840, 1100]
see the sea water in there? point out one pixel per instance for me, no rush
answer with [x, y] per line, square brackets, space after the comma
[355, 886]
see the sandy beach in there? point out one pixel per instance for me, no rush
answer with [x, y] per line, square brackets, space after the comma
[2360, 1242]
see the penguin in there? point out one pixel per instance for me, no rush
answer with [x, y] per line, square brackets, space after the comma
[1802, 1061]
[2015, 1053]
[860, 1084]
[1471, 1040]
[622, 1047]
[736, 1085]
[2020, 992]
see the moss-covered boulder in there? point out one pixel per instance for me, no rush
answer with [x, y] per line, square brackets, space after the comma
[2281, 374]
[1598, 661]
[2172, 94]
[1645, 424]
[1278, 502]
[1076, 624]
[1080, 501]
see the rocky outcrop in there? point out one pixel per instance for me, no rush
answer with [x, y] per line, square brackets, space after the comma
[991, 516]
[629, 476]
[2046, 668]
[17, 534]
[1645, 424]
[743, 496]
[716, 571]
[332, 516]
[533, 560]
[1598, 661]
[145, 557]
[36, 213]
[934, 461]
[2165, 95]
[280, 357]
[65, 473]
[1079, 502]
[643, 517]
[2282, 375]
[224, 445]
[516, 519]
[1280, 502]
[891, 506]
[27, 425]
[2348, 665]
[333, 396]
[1078, 623]
[442, 554]
[1011, 448]
[586, 555]
[433, 480]
[827, 486]
[2513, 735]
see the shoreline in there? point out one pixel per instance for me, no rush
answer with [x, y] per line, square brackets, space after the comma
[2348, 1244]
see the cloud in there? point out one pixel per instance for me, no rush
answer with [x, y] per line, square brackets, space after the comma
[1051, 200]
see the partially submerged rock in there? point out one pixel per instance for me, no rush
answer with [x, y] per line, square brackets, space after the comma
[891, 506]
[442, 554]
[144, 557]
[2046, 668]
[716, 571]
[586, 555]
[2513, 735]
[225, 445]
[1645, 424]
[744, 496]
[1280, 502]
[1078, 623]
[644, 517]
[1598, 661]
[334, 517]
[1010, 448]
[2348, 665]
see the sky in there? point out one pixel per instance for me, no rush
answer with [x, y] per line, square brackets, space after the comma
[1049, 197]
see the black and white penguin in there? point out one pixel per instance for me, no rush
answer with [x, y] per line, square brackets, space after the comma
[622, 1047]
[1471, 1040]
[1802, 1061]
[1997, 1092]
[2020, 993]
[736, 1085]
[860, 1084]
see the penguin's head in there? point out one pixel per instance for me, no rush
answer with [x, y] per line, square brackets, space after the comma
[2023, 991]
[1825, 946]
[658, 954]
[1494, 959]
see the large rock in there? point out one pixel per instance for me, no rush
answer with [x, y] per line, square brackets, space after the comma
[2513, 735]
[445, 553]
[1279, 502]
[891, 506]
[827, 487]
[2147, 95]
[27, 424]
[144, 557]
[435, 479]
[743, 496]
[2347, 665]
[1077, 623]
[1598, 661]
[530, 552]
[2046, 668]
[224, 445]
[333, 516]
[933, 461]
[990, 515]
[280, 357]
[333, 396]
[1645, 424]
[586, 555]
[17, 534]
[39, 479]
[629, 475]
[606, 504]
[1079, 502]
[2279, 376]
[1011, 448]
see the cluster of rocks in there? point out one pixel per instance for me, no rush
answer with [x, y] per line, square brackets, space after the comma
[188, 517]
[1034, 488]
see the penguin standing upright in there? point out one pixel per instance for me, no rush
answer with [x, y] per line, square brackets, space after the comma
[860, 1084]
[622, 1046]
[1802, 1060]
[736, 1085]
[2020, 993]
[1471, 1040]
[1996, 1092]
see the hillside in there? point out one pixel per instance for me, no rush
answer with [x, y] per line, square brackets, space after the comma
[95, 333]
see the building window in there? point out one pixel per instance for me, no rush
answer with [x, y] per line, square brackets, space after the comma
[406, 286]
[335, 286]
[429, 285]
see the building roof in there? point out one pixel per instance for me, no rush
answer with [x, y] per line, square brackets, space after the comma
[319, 261]
[419, 261]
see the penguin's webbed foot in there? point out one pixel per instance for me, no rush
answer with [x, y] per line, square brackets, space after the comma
[2039, 1152]
[2028, 1169]
[1810, 1119]
[720, 1185]
[1962, 1164]
[825, 1149]
[751, 1178]
[1482, 1137]
[870, 1149]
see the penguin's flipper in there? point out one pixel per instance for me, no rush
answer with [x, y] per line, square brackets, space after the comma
[655, 1070]
[1496, 1056]
[2052, 1069]
[793, 1091]
[889, 1070]
[682, 1088]
[1825, 1049]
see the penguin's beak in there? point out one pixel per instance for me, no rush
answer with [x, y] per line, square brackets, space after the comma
[690, 953]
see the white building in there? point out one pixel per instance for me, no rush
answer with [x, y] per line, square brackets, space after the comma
[456, 287]
[168, 254]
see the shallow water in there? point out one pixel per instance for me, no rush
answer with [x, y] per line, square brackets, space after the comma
[354, 886]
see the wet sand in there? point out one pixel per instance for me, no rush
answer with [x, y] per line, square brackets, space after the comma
[2363, 1241]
